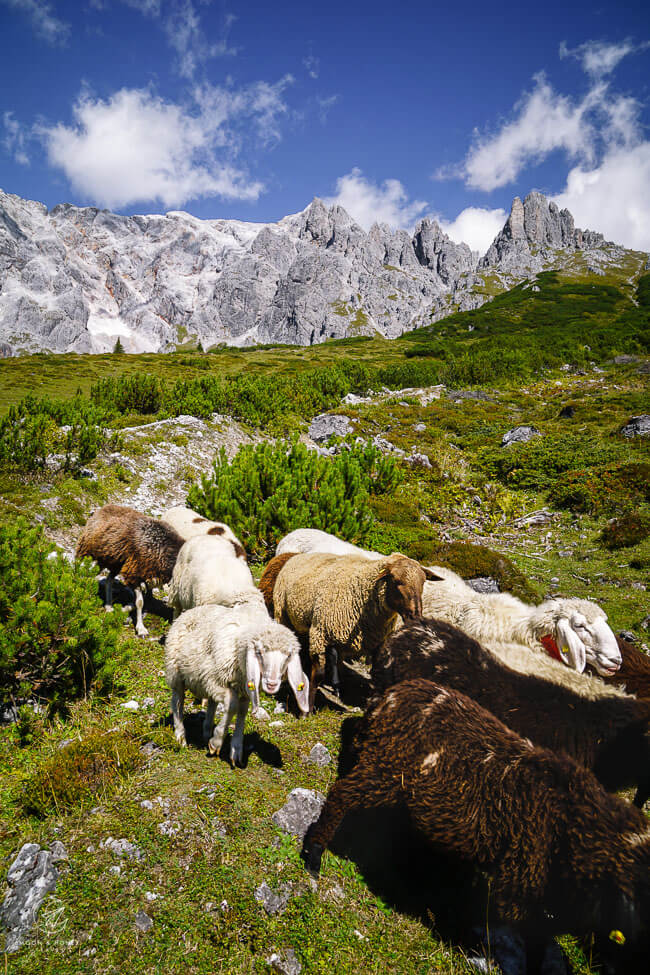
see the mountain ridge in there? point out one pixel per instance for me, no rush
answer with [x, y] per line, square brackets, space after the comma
[80, 278]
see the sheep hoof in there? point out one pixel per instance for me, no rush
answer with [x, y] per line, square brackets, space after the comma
[109, 609]
[142, 632]
[237, 757]
[214, 747]
[182, 741]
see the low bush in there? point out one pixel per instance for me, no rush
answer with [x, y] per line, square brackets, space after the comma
[270, 489]
[80, 773]
[604, 490]
[627, 530]
[474, 561]
[56, 641]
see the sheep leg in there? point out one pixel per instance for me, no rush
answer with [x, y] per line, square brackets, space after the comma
[364, 787]
[642, 794]
[237, 740]
[108, 593]
[334, 670]
[208, 723]
[140, 628]
[229, 708]
[317, 652]
[178, 702]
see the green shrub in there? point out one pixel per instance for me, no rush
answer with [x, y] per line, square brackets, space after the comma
[81, 772]
[56, 641]
[270, 489]
[627, 530]
[603, 490]
[33, 429]
[539, 463]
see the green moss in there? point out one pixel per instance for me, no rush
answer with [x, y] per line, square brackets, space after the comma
[80, 773]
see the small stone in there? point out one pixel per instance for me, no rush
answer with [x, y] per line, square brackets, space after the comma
[64, 743]
[224, 906]
[150, 896]
[168, 828]
[143, 922]
[554, 580]
[279, 709]
[360, 936]
[324, 426]
[115, 869]
[147, 804]
[59, 851]
[286, 964]
[31, 876]
[520, 434]
[219, 828]
[319, 755]
[89, 952]
[301, 809]
[149, 702]
[417, 459]
[645, 622]
[420, 427]
[637, 426]
[484, 584]
[272, 902]
[130, 706]
[260, 714]
[276, 724]
[122, 848]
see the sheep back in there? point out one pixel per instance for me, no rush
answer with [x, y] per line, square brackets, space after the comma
[125, 541]
[189, 524]
[306, 540]
[207, 571]
[269, 577]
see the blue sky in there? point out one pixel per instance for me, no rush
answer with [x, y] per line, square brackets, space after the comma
[248, 110]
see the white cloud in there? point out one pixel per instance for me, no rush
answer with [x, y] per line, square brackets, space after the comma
[15, 140]
[613, 197]
[187, 36]
[46, 24]
[312, 65]
[136, 147]
[545, 121]
[370, 203]
[475, 226]
[599, 58]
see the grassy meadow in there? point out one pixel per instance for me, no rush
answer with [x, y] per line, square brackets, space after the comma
[90, 769]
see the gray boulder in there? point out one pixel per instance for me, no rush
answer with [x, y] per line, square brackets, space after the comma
[273, 902]
[324, 426]
[483, 584]
[286, 963]
[519, 435]
[301, 809]
[31, 877]
[319, 755]
[637, 426]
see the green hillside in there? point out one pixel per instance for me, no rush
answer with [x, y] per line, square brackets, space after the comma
[79, 431]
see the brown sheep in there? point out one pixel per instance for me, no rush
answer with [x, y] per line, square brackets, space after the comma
[347, 603]
[608, 733]
[142, 549]
[269, 576]
[561, 854]
[634, 673]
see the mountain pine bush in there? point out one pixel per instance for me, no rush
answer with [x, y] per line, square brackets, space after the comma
[270, 489]
[56, 641]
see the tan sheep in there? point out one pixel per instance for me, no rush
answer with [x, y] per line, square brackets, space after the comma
[347, 603]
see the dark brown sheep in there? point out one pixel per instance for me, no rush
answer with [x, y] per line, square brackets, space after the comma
[607, 734]
[142, 549]
[269, 576]
[634, 673]
[561, 854]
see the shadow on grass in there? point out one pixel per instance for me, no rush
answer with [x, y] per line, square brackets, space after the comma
[254, 744]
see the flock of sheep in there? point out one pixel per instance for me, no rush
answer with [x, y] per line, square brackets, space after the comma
[503, 729]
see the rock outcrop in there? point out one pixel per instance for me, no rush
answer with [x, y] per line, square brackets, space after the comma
[78, 278]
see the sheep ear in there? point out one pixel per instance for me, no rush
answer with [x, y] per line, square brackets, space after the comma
[253, 676]
[577, 655]
[298, 682]
[431, 576]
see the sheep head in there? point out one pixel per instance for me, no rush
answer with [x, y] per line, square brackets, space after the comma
[584, 637]
[269, 658]
[404, 579]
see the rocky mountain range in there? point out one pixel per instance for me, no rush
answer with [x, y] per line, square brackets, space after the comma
[78, 278]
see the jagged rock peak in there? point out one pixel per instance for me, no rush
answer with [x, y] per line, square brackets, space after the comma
[534, 229]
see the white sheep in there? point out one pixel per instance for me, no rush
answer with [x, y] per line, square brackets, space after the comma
[190, 523]
[222, 653]
[306, 540]
[208, 571]
[574, 631]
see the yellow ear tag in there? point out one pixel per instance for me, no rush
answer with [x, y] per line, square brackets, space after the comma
[301, 686]
[617, 937]
[251, 685]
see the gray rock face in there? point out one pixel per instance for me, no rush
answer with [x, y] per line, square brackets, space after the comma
[301, 809]
[519, 435]
[483, 584]
[78, 278]
[637, 426]
[31, 877]
[286, 963]
[532, 233]
[324, 426]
